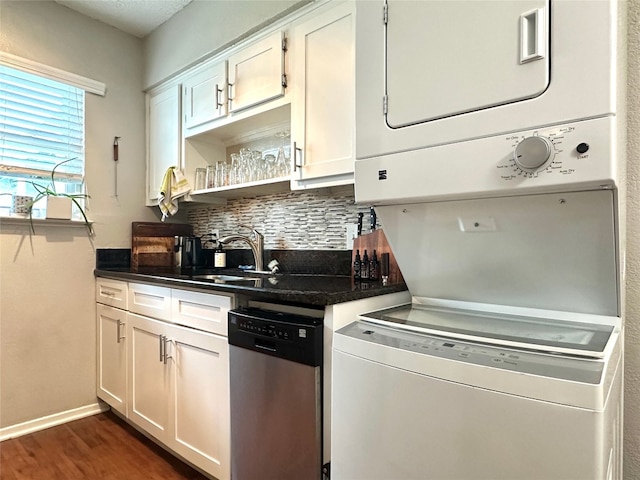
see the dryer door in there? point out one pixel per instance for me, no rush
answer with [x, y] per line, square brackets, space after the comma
[445, 58]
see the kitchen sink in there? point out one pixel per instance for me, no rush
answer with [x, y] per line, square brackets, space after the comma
[221, 278]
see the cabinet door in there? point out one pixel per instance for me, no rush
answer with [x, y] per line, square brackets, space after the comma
[201, 399]
[163, 138]
[112, 357]
[323, 105]
[256, 73]
[205, 95]
[149, 376]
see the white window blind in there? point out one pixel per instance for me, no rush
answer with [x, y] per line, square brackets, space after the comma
[41, 124]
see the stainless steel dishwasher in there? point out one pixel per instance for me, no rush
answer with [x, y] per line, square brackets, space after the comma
[275, 362]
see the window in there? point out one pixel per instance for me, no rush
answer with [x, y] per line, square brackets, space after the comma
[41, 124]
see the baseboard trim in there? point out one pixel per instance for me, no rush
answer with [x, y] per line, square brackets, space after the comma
[38, 424]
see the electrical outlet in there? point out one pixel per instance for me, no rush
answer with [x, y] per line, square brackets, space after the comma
[215, 234]
[352, 232]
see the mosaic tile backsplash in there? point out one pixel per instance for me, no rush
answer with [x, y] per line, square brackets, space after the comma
[313, 220]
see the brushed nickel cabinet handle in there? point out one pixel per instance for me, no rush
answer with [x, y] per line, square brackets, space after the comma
[166, 357]
[229, 96]
[119, 332]
[295, 157]
[218, 96]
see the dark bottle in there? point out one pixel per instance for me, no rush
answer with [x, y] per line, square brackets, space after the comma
[373, 219]
[364, 267]
[374, 267]
[356, 266]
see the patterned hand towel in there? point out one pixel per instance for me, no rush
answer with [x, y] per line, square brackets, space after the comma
[174, 186]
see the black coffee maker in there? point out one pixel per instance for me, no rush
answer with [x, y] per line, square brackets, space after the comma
[188, 252]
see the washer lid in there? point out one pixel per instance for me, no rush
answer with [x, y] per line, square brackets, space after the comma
[579, 336]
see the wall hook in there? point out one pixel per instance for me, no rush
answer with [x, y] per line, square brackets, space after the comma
[115, 149]
[115, 159]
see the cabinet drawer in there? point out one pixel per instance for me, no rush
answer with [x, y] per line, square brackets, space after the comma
[203, 311]
[111, 292]
[150, 300]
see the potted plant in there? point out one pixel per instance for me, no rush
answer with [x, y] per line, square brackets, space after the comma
[49, 191]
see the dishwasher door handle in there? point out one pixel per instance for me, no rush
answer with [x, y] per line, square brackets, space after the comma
[265, 346]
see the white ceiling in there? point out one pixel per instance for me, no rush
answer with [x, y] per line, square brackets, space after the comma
[137, 17]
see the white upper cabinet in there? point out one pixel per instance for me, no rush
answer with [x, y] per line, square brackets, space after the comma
[293, 81]
[205, 94]
[163, 137]
[449, 58]
[323, 103]
[256, 73]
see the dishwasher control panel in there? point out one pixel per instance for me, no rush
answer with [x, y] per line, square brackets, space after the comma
[289, 336]
[267, 329]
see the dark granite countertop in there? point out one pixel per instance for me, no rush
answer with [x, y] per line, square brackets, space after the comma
[307, 289]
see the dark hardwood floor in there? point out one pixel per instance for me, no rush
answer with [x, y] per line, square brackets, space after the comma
[98, 447]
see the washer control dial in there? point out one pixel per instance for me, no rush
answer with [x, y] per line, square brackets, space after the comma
[532, 153]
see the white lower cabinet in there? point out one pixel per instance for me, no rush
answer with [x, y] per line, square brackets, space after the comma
[169, 375]
[179, 390]
[112, 356]
[149, 376]
[199, 406]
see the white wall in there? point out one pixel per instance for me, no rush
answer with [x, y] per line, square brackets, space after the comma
[47, 312]
[204, 27]
[632, 354]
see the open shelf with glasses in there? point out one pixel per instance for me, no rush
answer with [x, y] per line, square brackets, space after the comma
[246, 158]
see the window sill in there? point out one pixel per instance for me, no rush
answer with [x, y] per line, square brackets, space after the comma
[41, 222]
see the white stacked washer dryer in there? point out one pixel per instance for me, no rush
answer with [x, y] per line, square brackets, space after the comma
[490, 138]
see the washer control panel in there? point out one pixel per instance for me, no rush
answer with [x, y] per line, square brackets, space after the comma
[548, 365]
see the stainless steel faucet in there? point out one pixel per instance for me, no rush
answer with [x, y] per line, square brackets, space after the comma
[256, 242]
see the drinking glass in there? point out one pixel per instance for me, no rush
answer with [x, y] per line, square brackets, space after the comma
[257, 166]
[222, 174]
[211, 176]
[246, 157]
[201, 179]
[282, 162]
[234, 169]
[270, 162]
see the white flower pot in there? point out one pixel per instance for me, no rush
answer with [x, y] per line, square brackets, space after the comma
[59, 207]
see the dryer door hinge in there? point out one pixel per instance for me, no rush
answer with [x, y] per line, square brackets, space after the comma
[284, 80]
[385, 104]
[284, 44]
[385, 13]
